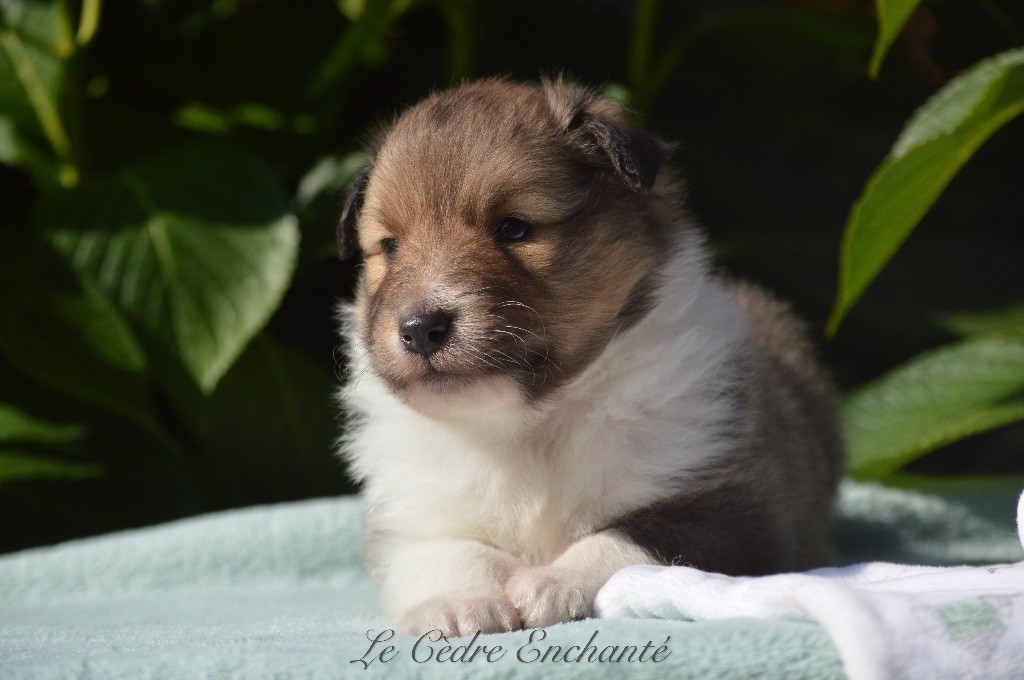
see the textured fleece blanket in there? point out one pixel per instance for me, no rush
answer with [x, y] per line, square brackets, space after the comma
[889, 621]
[280, 592]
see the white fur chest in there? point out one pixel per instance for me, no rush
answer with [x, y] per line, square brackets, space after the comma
[423, 479]
[626, 433]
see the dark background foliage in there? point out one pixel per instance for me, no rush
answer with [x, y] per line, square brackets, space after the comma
[236, 117]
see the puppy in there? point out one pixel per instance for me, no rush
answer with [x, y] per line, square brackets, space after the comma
[548, 384]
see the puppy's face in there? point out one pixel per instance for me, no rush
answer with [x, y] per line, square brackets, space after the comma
[508, 233]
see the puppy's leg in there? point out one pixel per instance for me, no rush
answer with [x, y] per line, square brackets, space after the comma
[565, 589]
[451, 585]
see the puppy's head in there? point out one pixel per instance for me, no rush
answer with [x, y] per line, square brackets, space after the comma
[508, 231]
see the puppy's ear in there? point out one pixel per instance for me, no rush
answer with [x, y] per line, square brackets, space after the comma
[599, 127]
[635, 156]
[348, 241]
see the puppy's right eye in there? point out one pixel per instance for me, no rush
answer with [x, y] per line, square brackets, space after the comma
[512, 229]
[390, 247]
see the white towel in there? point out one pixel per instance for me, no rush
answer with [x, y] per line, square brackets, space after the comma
[889, 621]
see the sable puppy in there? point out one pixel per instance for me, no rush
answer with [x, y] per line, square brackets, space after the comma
[547, 382]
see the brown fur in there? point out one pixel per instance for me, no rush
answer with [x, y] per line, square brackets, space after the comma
[736, 521]
[459, 162]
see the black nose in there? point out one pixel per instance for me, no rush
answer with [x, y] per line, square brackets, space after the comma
[424, 333]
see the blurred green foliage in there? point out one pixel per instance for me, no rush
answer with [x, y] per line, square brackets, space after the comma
[964, 389]
[171, 173]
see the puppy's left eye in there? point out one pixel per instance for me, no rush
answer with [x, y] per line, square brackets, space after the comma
[512, 229]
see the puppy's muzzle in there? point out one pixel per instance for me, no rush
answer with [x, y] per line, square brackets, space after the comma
[425, 333]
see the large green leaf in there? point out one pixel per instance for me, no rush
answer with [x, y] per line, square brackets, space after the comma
[934, 400]
[938, 140]
[273, 427]
[892, 15]
[62, 331]
[196, 245]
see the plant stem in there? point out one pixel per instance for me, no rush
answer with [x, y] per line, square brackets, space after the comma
[88, 21]
[65, 46]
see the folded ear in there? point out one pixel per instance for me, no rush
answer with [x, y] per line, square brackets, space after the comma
[599, 127]
[348, 241]
[636, 156]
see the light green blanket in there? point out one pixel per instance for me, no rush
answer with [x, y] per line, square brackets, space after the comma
[280, 592]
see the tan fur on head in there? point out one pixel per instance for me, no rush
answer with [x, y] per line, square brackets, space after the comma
[532, 313]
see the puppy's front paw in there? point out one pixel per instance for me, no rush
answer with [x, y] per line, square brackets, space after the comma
[547, 595]
[461, 615]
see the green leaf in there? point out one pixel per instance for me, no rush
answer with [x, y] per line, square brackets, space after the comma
[41, 23]
[936, 399]
[20, 465]
[273, 427]
[17, 150]
[195, 245]
[203, 118]
[35, 43]
[1009, 321]
[18, 462]
[936, 143]
[61, 331]
[359, 44]
[137, 475]
[19, 427]
[318, 203]
[32, 134]
[892, 15]
[352, 9]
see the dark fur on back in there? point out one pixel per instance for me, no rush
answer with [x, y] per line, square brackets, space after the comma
[740, 518]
